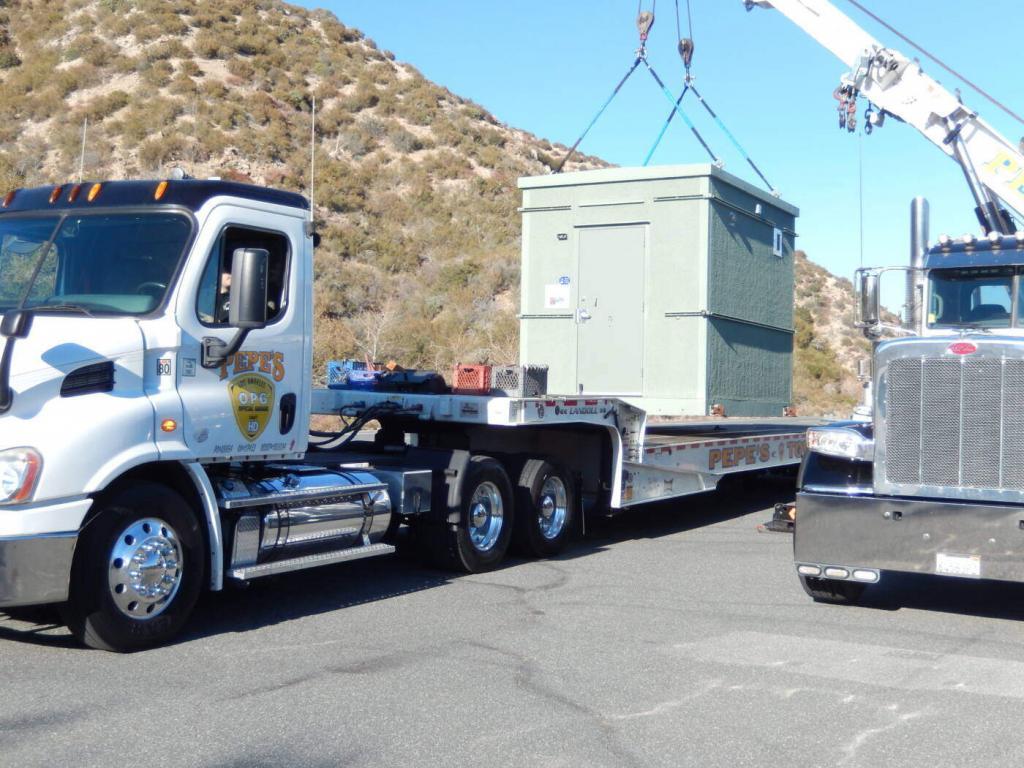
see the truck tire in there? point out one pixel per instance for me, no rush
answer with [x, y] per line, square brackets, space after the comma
[114, 606]
[831, 591]
[479, 540]
[545, 510]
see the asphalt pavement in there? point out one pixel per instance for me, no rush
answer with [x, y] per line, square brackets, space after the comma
[677, 635]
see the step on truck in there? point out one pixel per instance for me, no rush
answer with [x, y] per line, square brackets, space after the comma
[155, 403]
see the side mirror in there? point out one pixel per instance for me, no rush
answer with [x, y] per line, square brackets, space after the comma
[870, 313]
[16, 324]
[247, 308]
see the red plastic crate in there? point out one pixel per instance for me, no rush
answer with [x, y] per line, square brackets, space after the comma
[471, 379]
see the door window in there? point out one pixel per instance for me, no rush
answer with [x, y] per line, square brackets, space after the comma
[213, 300]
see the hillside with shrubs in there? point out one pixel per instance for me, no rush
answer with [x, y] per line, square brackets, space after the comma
[415, 187]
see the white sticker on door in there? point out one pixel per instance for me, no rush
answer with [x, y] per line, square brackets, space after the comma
[556, 296]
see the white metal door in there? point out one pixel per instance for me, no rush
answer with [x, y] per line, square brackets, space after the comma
[254, 403]
[610, 313]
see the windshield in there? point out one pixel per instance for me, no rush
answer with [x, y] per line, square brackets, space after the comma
[982, 297]
[111, 263]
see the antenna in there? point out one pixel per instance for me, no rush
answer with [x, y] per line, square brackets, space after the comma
[312, 156]
[81, 156]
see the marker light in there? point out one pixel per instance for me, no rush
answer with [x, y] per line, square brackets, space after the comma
[94, 192]
[73, 194]
[9, 197]
[837, 573]
[808, 570]
[160, 189]
[168, 425]
[55, 194]
[19, 471]
[842, 442]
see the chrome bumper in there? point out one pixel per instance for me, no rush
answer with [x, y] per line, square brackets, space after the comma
[35, 569]
[909, 535]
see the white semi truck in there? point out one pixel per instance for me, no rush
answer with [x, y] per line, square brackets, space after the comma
[154, 424]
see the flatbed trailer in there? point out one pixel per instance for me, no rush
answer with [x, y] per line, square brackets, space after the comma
[645, 462]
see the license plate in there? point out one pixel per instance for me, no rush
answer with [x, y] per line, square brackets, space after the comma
[958, 565]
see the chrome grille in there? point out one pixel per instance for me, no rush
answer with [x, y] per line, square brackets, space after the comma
[955, 422]
[1013, 425]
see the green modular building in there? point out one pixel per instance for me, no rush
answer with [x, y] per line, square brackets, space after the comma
[670, 287]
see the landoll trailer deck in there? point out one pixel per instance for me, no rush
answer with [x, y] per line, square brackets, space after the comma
[621, 460]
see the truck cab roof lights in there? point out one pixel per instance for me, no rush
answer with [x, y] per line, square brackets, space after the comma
[945, 241]
[9, 198]
[161, 188]
[73, 194]
[995, 238]
[94, 192]
[968, 239]
[55, 194]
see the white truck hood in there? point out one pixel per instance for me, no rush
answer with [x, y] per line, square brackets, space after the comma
[59, 345]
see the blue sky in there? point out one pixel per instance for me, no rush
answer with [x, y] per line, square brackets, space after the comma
[546, 67]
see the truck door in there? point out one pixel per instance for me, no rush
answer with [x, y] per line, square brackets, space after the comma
[254, 403]
[610, 316]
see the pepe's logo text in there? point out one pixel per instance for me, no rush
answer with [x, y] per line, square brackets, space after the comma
[271, 363]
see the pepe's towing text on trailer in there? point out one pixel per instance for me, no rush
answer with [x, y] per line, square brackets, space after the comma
[156, 390]
[933, 483]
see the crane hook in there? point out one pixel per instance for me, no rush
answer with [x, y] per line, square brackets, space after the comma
[644, 22]
[686, 52]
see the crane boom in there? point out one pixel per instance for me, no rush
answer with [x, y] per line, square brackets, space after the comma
[993, 166]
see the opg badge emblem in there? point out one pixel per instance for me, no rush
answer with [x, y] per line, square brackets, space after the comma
[252, 397]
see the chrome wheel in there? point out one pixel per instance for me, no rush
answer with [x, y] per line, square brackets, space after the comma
[553, 507]
[145, 568]
[486, 516]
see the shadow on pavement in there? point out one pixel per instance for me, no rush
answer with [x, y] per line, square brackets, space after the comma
[986, 599]
[270, 601]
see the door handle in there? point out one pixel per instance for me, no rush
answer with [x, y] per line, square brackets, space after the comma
[287, 412]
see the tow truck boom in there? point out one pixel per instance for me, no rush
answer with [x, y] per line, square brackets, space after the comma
[897, 85]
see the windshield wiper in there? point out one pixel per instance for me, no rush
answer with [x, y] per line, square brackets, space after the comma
[63, 308]
[974, 327]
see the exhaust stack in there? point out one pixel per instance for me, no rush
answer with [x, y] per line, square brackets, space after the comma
[918, 251]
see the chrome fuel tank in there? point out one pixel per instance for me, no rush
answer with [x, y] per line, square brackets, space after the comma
[292, 509]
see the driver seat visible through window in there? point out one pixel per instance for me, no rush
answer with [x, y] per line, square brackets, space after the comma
[213, 301]
[984, 312]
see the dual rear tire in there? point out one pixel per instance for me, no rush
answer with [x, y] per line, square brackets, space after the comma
[545, 509]
[536, 516]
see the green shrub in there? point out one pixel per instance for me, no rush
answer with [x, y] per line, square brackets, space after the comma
[207, 44]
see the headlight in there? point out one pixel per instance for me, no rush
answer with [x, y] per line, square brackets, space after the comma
[19, 471]
[844, 443]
